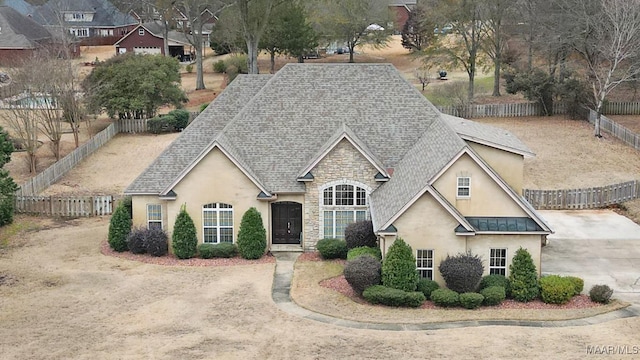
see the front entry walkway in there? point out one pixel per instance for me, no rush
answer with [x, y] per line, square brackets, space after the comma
[281, 294]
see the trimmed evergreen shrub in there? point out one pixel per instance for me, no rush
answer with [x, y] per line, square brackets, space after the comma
[161, 124]
[364, 250]
[493, 295]
[127, 202]
[445, 297]
[156, 242]
[379, 294]
[578, 283]
[119, 228]
[600, 294]
[252, 237]
[496, 280]
[135, 241]
[182, 118]
[363, 272]
[426, 287]
[332, 248]
[360, 233]
[523, 277]
[462, 272]
[221, 250]
[555, 289]
[471, 300]
[184, 241]
[399, 267]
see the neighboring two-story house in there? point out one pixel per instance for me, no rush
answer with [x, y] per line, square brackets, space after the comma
[318, 146]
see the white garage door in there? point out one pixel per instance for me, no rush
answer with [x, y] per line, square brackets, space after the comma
[147, 50]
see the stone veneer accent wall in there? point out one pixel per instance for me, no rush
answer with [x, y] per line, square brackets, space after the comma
[343, 162]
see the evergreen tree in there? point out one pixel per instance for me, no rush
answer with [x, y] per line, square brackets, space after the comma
[184, 240]
[523, 277]
[399, 267]
[252, 237]
[7, 186]
[119, 228]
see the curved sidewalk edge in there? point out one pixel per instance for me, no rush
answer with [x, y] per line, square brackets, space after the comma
[281, 294]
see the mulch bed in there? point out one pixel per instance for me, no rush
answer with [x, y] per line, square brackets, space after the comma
[171, 260]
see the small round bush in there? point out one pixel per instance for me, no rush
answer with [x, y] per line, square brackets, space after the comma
[578, 283]
[135, 241]
[189, 68]
[182, 118]
[156, 242]
[360, 233]
[600, 294]
[523, 277]
[332, 248]
[426, 287]
[364, 250]
[471, 300]
[462, 272]
[379, 294]
[556, 290]
[493, 295]
[252, 236]
[362, 272]
[119, 228]
[219, 67]
[445, 297]
[496, 280]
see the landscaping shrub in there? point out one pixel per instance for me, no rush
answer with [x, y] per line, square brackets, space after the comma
[360, 233]
[332, 248]
[523, 277]
[184, 241]
[463, 272]
[578, 283]
[161, 124]
[379, 294]
[189, 68]
[119, 228]
[496, 280]
[471, 300]
[252, 237]
[426, 287]
[182, 118]
[399, 267]
[203, 107]
[156, 242]
[555, 289]
[219, 67]
[364, 250]
[493, 295]
[135, 241]
[600, 294]
[221, 250]
[445, 297]
[362, 273]
[127, 202]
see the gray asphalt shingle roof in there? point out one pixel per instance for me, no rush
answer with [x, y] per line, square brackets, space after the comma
[18, 31]
[105, 14]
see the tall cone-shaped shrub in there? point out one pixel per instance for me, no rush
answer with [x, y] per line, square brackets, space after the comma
[399, 267]
[184, 241]
[252, 237]
[119, 228]
[523, 277]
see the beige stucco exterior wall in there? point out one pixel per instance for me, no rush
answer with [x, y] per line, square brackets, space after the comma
[508, 165]
[139, 207]
[343, 163]
[427, 225]
[487, 197]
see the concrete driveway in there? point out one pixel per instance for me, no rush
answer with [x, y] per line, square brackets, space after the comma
[599, 246]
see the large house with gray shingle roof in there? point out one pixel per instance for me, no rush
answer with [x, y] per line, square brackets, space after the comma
[20, 36]
[318, 146]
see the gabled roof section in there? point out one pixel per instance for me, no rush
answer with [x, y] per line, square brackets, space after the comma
[105, 14]
[155, 29]
[487, 135]
[20, 32]
[20, 6]
[197, 137]
[344, 133]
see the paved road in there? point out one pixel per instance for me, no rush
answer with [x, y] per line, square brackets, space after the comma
[599, 246]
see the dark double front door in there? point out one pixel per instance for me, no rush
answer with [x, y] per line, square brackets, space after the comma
[286, 223]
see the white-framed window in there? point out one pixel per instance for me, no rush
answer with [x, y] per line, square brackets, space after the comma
[341, 204]
[79, 32]
[498, 262]
[105, 32]
[424, 263]
[463, 189]
[217, 223]
[141, 32]
[154, 216]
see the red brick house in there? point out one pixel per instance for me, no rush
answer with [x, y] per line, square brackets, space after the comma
[400, 10]
[147, 38]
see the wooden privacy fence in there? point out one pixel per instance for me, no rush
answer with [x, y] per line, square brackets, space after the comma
[588, 198]
[621, 108]
[500, 110]
[74, 206]
[620, 132]
[56, 171]
[133, 126]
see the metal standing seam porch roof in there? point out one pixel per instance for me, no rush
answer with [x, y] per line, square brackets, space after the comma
[501, 224]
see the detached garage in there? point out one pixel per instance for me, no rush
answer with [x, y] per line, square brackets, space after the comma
[147, 39]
